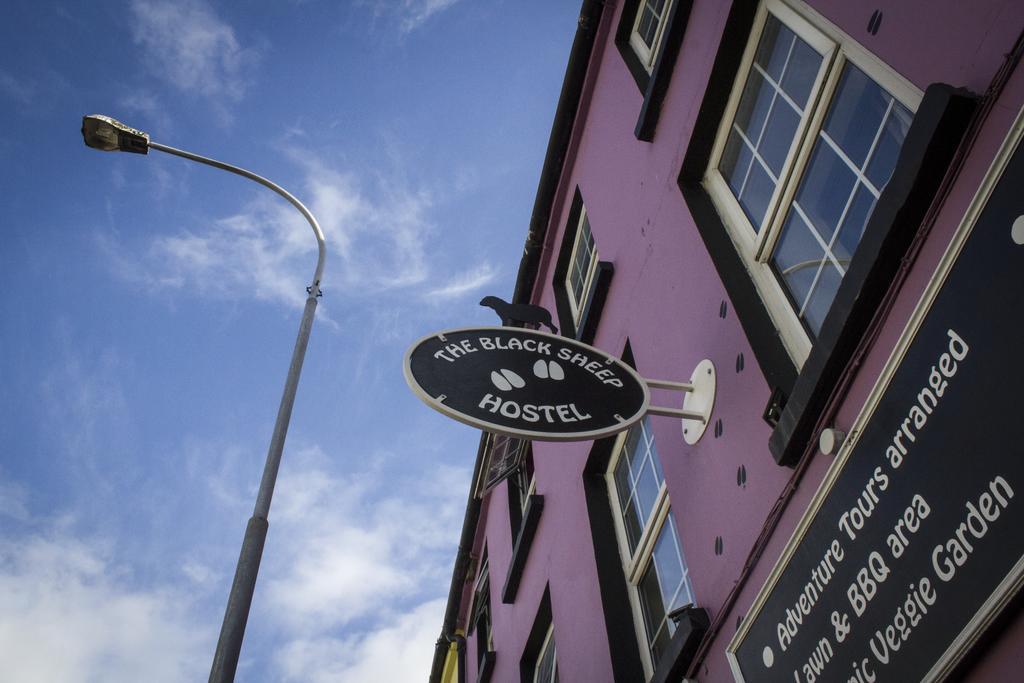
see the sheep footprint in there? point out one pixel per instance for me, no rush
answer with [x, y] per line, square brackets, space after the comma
[506, 380]
[548, 369]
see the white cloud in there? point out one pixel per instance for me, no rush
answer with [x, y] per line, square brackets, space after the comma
[401, 650]
[68, 613]
[376, 230]
[148, 106]
[13, 500]
[415, 12]
[87, 408]
[463, 283]
[187, 45]
[199, 573]
[352, 547]
[408, 14]
[21, 92]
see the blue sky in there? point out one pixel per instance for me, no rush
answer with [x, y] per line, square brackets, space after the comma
[148, 307]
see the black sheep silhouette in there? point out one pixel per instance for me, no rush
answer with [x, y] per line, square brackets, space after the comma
[519, 313]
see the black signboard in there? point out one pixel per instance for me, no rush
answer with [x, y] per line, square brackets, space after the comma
[918, 543]
[526, 383]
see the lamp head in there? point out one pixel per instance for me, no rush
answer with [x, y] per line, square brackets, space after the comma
[110, 135]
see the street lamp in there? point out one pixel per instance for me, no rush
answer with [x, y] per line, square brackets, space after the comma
[109, 135]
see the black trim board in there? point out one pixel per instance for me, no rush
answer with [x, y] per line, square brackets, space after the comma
[935, 133]
[661, 73]
[653, 86]
[521, 550]
[595, 303]
[622, 35]
[611, 578]
[541, 623]
[487, 661]
[591, 316]
[773, 359]
[682, 647]
[563, 309]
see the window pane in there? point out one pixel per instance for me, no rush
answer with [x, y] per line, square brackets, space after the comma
[821, 298]
[801, 71]
[774, 46]
[797, 258]
[653, 607]
[856, 114]
[546, 662]
[669, 568]
[638, 478]
[887, 149]
[864, 128]
[583, 257]
[650, 18]
[756, 194]
[632, 451]
[735, 162]
[647, 486]
[623, 481]
[754, 104]
[778, 135]
[853, 225]
[652, 450]
[663, 587]
[825, 190]
[767, 117]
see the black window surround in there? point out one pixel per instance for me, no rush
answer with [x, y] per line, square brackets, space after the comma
[521, 549]
[611, 579]
[591, 315]
[487, 662]
[654, 85]
[934, 134]
[538, 632]
[691, 626]
[518, 488]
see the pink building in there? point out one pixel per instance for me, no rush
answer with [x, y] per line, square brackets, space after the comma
[824, 198]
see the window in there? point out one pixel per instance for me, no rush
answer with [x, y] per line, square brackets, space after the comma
[539, 662]
[648, 29]
[521, 485]
[648, 540]
[504, 454]
[481, 619]
[546, 670]
[810, 138]
[579, 281]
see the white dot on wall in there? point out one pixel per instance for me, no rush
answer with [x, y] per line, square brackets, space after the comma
[768, 656]
[1017, 231]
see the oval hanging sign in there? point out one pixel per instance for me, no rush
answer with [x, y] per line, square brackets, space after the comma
[526, 383]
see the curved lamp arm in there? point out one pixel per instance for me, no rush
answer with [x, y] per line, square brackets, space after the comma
[315, 287]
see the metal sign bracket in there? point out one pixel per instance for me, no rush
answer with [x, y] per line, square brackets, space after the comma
[697, 404]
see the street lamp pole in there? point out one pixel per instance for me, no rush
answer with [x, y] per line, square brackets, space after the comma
[107, 134]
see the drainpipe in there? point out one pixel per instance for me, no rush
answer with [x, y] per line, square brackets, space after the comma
[558, 145]
[462, 561]
[554, 160]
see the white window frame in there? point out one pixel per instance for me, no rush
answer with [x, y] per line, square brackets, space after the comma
[587, 290]
[648, 55]
[531, 485]
[549, 641]
[482, 591]
[636, 564]
[756, 246]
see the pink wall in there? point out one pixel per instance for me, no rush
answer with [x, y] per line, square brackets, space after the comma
[665, 298]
